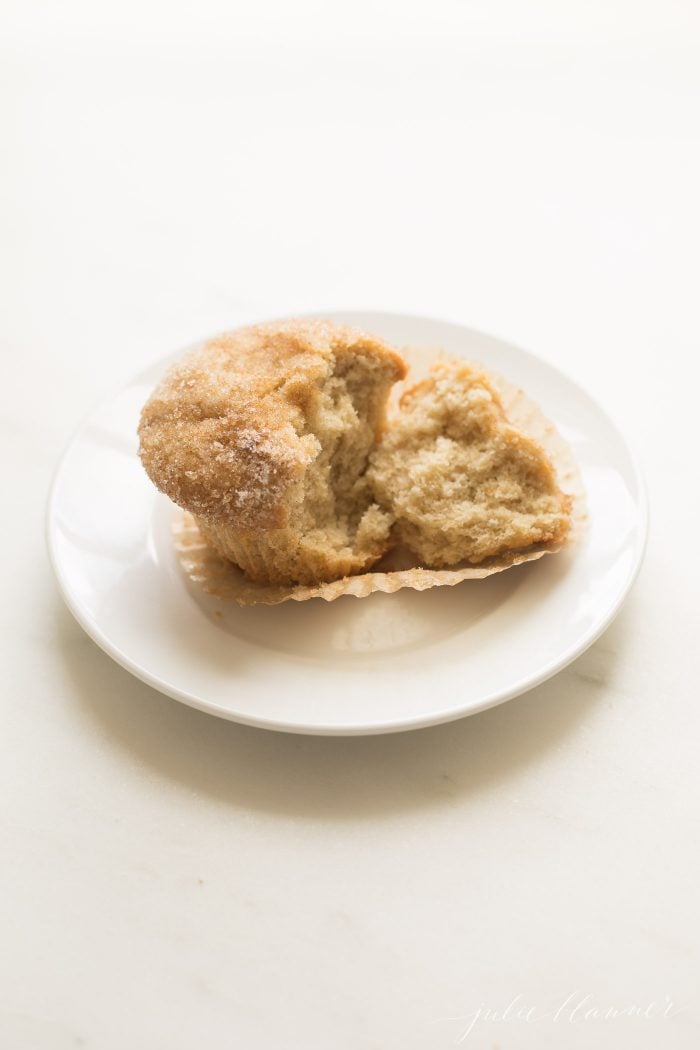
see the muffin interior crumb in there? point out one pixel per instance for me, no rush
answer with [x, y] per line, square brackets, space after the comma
[332, 511]
[462, 483]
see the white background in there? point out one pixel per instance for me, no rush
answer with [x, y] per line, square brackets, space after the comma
[531, 169]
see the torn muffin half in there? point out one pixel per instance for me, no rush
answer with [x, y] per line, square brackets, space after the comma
[265, 434]
[461, 483]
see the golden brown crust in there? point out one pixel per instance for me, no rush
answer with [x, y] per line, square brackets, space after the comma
[224, 434]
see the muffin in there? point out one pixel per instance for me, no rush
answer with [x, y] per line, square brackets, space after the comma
[276, 439]
[459, 481]
[264, 435]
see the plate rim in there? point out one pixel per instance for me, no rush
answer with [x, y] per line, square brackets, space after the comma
[423, 721]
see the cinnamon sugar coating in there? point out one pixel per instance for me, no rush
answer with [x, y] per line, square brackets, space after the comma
[226, 434]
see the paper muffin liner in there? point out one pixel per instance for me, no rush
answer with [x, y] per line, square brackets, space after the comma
[400, 568]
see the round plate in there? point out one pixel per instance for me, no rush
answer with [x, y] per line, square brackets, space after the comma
[352, 666]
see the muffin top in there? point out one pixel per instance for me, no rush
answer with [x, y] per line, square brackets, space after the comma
[226, 434]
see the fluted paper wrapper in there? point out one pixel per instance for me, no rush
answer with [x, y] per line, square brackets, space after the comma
[222, 579]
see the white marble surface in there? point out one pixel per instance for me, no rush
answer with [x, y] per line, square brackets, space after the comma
[170, 880]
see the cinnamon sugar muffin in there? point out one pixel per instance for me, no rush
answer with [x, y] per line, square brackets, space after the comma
[264, 434]
[275, 438]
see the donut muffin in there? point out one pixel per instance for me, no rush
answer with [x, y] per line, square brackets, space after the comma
[264, 434]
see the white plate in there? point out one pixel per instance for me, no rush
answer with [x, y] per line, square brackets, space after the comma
[354, 666]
